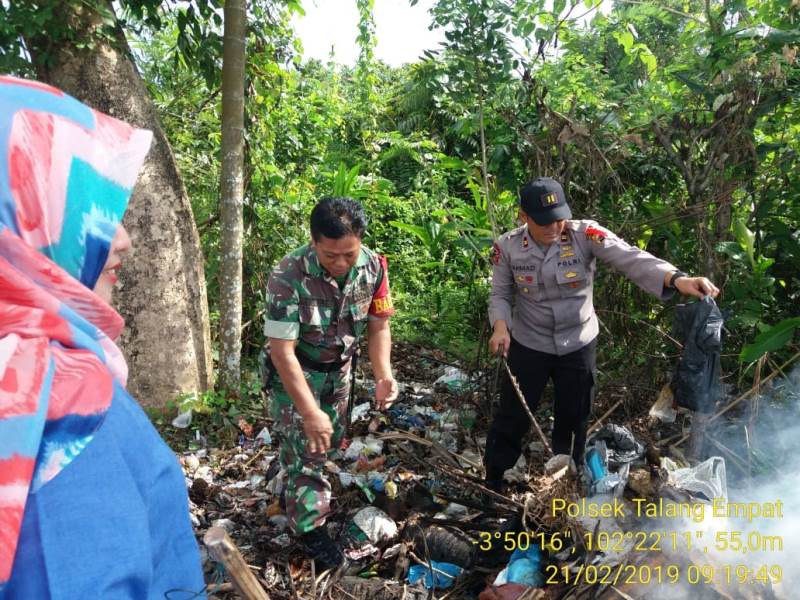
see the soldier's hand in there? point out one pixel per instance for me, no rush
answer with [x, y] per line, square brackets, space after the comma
[386, 391]
[500, 342]
[696, 286]
[318, 429]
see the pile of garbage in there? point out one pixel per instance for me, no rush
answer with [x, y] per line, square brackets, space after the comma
[412, 515]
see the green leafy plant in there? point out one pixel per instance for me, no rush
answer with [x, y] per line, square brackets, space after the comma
[770, 339]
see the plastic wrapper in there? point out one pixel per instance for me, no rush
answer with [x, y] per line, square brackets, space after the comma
[442, 576]
[621, 447]
[705, 481]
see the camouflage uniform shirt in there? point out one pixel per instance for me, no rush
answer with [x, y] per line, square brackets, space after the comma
[305, 303]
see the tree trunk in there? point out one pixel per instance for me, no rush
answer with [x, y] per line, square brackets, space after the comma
[485, 173]
[232, 194]
[163, 292]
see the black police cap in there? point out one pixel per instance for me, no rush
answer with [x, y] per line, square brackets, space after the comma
[543, 200]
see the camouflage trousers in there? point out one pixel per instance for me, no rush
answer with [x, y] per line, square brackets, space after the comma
[308, 491]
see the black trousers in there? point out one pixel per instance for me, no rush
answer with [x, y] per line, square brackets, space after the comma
[573, 380]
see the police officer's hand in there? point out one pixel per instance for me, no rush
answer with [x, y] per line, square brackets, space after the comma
[696, 286]
[386, 391]
[500, 341]
[318, 429]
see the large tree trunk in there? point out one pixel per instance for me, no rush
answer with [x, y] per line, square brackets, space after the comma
[163, 293]
[232, 194]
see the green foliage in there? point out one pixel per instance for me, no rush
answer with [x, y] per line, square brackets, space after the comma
[406, 143]
[673, 123]
[770, 339]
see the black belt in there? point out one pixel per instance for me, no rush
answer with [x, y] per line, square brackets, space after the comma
[328, 367]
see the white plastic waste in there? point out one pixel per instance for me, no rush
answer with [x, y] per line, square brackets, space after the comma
[706, 480]
[264, 437]
[183, 420]
[368, 446]
[519, 472]
[662, 409]
[454, 378]
[558, 462]
[275, 485]
[204, 472]
[348, 479]
[191, 462]
[360, 411]
[225, 524]
[376, 524]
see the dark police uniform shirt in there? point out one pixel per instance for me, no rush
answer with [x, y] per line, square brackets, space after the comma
[544, 294]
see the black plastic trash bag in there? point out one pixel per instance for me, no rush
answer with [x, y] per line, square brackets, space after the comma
[698, 326]
[621, 446]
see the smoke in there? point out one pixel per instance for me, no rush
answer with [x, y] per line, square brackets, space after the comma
[773, 444]
[764, 474]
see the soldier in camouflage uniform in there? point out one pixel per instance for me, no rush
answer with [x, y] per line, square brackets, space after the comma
[542, 314]
[321, 299]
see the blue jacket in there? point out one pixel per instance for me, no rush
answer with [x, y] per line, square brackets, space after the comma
[112, 525]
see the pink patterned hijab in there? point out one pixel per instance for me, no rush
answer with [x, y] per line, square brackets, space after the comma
[66, 175]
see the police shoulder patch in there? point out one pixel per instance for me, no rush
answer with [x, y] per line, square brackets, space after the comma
[598, 236]
[496, 253]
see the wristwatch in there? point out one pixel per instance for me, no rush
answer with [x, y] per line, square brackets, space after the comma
[674, 277]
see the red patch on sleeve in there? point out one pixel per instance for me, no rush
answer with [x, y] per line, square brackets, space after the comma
[381, 305]
[596, 235]
[496, 253]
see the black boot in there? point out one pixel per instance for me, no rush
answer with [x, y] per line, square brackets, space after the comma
[321, 548]
[496, 485]
[494, 478]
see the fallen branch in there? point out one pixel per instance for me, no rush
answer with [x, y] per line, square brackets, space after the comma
[443, 452]
[522, 401]
[480, 486]
[222, 549]
[605, 414]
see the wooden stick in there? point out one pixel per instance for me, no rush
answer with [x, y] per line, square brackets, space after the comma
[222, 549]
[605, 414]
[521, 398]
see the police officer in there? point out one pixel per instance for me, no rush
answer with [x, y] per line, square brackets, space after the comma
[321, 299]
[543, 317]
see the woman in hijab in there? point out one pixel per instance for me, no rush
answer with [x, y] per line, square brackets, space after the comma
[93, 504]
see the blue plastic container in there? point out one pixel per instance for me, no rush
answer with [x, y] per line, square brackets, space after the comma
[595, 464]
